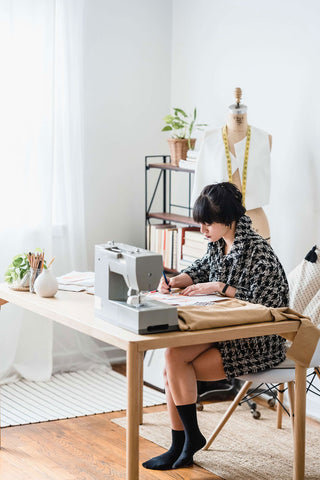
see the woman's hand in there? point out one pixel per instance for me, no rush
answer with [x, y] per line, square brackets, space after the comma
[163, 287]
[180, 281]
[203, 288]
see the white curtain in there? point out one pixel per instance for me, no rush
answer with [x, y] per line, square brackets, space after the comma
[41, 179]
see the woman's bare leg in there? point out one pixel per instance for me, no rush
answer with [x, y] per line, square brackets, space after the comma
[175, 420]
[186, 365]
[195, 362]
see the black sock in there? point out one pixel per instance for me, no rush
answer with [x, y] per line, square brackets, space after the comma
[167, 459]
[194, 440]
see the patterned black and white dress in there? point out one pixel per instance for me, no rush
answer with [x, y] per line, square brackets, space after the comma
[254, 270]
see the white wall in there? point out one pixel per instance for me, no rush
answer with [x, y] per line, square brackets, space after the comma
[127, 66]
[127, 72]
[270, 50]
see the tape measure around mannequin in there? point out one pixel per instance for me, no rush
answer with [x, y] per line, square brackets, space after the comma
[245, 161]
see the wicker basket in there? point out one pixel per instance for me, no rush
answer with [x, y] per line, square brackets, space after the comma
[178, 149]
[20, 289]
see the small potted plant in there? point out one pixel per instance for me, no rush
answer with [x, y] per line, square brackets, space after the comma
[181, 125]
[17, 274]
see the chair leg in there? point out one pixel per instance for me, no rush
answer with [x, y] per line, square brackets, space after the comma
[291, 401]
[279, 407]
[317, 372]
[228, 413]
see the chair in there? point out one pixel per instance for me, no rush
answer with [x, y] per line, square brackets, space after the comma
[272, 378]
[304, 284]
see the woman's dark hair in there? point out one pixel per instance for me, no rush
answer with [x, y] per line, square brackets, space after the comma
[219, 203]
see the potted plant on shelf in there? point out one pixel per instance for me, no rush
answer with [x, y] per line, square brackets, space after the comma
[181, 125]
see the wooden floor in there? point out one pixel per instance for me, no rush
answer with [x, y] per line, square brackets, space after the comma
[85, 448]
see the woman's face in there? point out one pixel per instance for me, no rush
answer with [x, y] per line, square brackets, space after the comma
[214, 231]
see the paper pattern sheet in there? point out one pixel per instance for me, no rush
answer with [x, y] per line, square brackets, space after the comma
[77, 281]
[177, 299]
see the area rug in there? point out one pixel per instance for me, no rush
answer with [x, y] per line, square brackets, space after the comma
[67, 395]
[245, 449]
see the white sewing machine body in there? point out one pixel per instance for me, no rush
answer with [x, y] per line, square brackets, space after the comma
[122, 272]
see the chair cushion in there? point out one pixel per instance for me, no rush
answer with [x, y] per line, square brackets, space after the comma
[287, 363]
[304, 283]
[272, 375]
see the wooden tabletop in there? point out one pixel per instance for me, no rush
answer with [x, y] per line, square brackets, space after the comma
[76, 310]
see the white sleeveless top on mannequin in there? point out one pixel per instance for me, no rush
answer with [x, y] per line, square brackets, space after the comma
[212, 165]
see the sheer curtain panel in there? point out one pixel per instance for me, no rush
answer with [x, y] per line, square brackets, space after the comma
[41, 181]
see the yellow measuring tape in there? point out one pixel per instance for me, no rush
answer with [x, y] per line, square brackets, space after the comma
[245, 161]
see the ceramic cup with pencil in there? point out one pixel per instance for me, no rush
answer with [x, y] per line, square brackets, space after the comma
[36, 261]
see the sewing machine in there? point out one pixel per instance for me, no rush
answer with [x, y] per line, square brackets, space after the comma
[122, 274]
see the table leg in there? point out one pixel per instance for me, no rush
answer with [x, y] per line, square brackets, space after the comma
[299, 423]
[141, 357]
[133, 411]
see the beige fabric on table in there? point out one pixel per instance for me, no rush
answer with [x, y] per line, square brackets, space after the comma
[235, 312]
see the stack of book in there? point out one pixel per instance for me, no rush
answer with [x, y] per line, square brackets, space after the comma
[163, 239]
[179, 246]
[191, 160]
[193, 246]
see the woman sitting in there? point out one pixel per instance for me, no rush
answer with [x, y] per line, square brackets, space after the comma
[239, 263]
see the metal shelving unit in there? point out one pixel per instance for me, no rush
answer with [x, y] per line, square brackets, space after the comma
[164, 183]
[163, 187]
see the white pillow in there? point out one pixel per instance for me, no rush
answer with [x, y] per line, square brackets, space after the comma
[312, 310]
[304, 281]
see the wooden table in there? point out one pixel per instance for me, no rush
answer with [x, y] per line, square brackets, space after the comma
[76, 310]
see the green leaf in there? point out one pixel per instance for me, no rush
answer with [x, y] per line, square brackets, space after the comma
[180, 111]
[177, 125]
[183, 122]
[18, 268]
[191, 128]
[17, 261]
[168, 118]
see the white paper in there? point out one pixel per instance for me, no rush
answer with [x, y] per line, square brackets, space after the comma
[181, 300]
[71, 288]
[83, 279]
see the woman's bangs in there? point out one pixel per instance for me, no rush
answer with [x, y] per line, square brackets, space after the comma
[203, 211]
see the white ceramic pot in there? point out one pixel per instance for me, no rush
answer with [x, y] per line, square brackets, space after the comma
[46, 284]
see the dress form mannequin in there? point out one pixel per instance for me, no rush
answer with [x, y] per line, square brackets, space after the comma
[237, 125]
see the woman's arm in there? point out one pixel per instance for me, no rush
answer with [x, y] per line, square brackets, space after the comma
[208, 288]
[180, 281]
[268, 284]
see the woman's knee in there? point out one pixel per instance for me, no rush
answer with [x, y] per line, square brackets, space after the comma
[172, 356]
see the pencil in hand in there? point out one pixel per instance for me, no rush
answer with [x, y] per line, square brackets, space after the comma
[166, 280]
